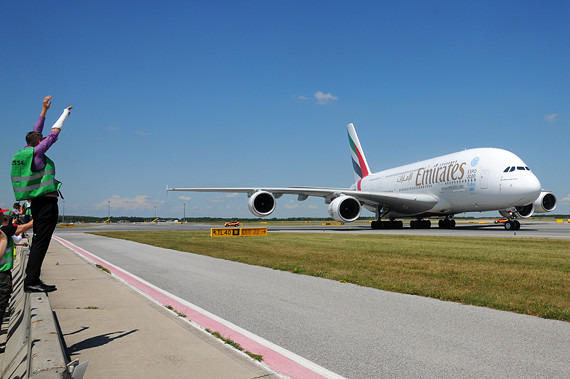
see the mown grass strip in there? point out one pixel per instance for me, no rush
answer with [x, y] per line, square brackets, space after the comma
[530, 276]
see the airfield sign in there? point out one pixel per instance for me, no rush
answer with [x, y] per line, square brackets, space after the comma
[238, 232]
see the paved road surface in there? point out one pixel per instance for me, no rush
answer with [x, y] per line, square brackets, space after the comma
[354, 331]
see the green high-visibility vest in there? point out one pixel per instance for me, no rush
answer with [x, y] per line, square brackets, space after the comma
[8, 261]
[28, 209]
[28, 184]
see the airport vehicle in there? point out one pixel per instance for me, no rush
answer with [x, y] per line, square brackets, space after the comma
[232, 223]
[473, 180]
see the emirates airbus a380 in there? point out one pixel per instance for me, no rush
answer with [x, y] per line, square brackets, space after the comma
[474, 180]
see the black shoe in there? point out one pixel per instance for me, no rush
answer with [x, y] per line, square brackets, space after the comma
[46, 285]
[39, 287]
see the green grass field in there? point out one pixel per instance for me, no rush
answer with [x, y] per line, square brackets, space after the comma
[530, 276]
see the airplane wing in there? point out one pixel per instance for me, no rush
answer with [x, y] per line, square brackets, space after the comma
[401, 203]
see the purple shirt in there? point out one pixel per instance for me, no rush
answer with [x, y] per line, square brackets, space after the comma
[39, 161]
[39, 151]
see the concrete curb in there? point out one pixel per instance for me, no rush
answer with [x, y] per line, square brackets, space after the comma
[33, 345]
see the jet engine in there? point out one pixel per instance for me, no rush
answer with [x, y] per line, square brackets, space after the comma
[525, 211]
[261, 203]
[344, 209]
[546, 202]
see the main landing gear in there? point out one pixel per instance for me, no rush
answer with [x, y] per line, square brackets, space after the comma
[446, 223]
[392, 224]
[379, 224]
[512, 225]
[420, 224]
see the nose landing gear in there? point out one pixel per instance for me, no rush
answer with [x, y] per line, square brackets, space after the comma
[512, 225]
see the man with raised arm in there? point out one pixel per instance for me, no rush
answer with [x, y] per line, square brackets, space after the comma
[33, 177]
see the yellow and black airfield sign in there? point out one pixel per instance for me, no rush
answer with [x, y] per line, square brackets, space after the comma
[238, 232]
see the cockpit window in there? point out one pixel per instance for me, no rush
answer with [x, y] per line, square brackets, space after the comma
[519, 168]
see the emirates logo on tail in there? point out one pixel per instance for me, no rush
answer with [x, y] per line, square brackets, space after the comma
[359, 163]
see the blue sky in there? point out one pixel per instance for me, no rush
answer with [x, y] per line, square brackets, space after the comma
[258, 93]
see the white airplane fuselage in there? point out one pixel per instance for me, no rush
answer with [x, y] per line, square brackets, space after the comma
[466, 181]
[474, 180]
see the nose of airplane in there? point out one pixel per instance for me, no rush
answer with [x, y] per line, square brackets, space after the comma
[530, 187]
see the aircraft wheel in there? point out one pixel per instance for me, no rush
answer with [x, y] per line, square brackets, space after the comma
[517, 225]
[377, 225]
[446, 223]
[509, 225]
[420, 224]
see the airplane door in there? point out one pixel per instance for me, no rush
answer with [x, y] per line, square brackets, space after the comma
[484, 179]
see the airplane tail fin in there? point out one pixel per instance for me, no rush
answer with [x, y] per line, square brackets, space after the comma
[359, 162]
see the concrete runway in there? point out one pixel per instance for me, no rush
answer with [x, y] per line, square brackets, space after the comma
[354, 331]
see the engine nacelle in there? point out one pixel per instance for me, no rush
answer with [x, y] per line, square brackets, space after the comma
[525, 211]
[344, 209]
[261, 203]
[546, 202]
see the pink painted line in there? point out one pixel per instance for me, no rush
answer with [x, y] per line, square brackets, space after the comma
[272, 358]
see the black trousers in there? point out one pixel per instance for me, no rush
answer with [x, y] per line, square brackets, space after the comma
[44, 213]
[5, 291]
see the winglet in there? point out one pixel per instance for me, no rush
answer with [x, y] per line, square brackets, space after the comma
[359, 163]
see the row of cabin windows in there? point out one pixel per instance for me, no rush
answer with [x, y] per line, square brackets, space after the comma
[513, 168]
